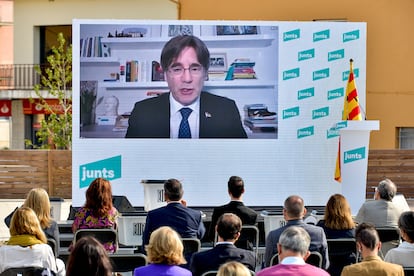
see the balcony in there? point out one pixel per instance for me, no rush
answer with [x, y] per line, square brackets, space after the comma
[18, 80]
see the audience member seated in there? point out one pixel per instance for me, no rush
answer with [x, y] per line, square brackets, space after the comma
[235, 188]
[233, 268]
[88, 257]
[165, 254]
[38, 200]
[228, 229]
[381, 212]
[98, 211]
[293, 212]
[404, 253]
[338, 223]
[293, 249]
[185, 221]
[368, 244]
[27, 245]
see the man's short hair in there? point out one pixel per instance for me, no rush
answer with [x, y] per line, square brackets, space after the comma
[367, 235]
[296, 239]
[173, 48]
[173, 189]
[294, 206]
[235, 186]
[228, 225]
[387, 189]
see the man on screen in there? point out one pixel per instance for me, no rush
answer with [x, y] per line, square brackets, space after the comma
[186, 111]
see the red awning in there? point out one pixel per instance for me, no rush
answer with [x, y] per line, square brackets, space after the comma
[36, 108]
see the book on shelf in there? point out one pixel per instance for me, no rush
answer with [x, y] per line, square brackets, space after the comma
[244, 75]
[216, 75]
[241, 68]
[91, 46]
[243, 62]
[131, 71]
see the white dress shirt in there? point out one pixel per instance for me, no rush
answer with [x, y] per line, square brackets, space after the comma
[402, 255]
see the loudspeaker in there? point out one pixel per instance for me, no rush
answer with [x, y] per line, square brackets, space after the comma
[122, 204]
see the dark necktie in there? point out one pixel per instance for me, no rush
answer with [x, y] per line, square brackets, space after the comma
[184, 131]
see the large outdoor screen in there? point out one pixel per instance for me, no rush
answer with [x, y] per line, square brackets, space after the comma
[269, 98]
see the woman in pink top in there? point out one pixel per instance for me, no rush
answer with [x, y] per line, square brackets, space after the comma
[98, 211]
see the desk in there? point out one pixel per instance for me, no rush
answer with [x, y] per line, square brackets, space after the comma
[103, 131]
[100, 131]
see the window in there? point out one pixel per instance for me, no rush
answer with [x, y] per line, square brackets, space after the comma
[406, 137]
[48, 38]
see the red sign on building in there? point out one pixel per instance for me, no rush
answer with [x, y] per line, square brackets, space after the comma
[36, 108]
[5, 108]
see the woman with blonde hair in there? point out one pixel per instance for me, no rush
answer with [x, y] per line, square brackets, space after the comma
[38, 200]
[27, 245]
[165, 254]
[233, 269]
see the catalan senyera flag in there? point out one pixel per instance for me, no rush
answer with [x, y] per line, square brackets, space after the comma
[352, 111]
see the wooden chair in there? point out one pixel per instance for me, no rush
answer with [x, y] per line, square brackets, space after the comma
[127, 262]
[28, 271]
[104, 235]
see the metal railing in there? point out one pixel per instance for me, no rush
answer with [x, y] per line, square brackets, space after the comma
[20, 76]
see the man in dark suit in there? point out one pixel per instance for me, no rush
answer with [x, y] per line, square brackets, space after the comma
[186, 111]
[235, 187]
[228, 229]
[186, 221]
[293, 212]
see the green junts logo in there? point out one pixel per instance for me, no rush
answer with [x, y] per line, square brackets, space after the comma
[109, 169]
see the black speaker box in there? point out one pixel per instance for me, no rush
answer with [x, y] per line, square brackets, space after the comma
[122, 204]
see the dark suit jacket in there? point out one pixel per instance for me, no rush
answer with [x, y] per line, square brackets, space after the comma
[316, 233]
[211, 259]
[186, 221]
[248, 216]
[219, 118]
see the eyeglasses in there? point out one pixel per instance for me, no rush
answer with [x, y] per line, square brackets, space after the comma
[195, 70]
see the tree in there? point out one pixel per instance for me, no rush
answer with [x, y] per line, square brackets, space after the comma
[56, 129]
